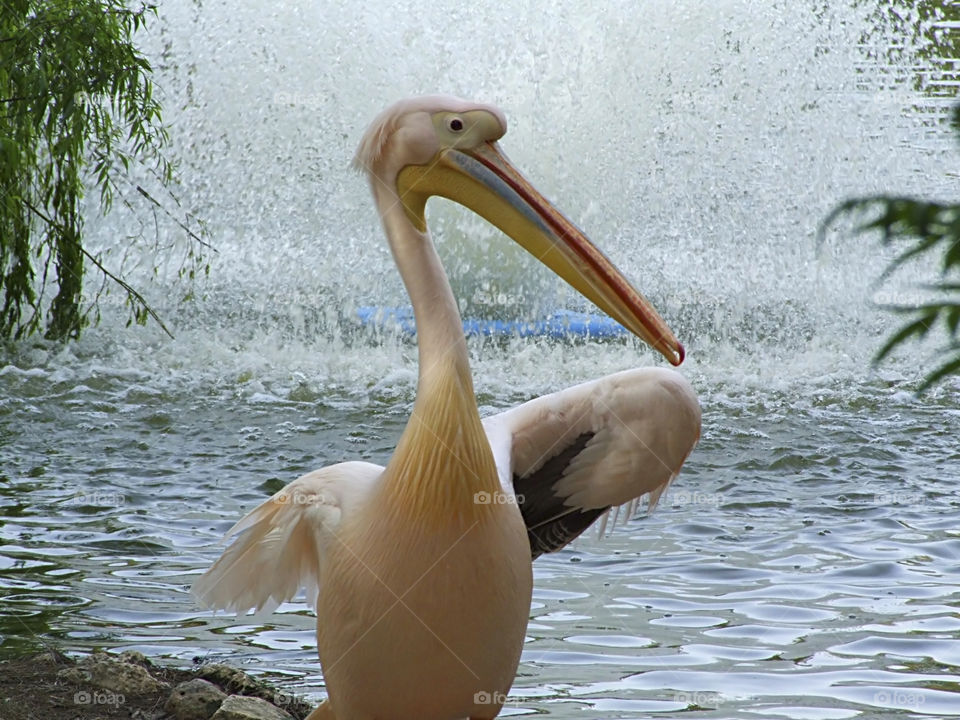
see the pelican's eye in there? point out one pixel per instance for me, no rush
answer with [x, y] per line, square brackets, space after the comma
[466, 129]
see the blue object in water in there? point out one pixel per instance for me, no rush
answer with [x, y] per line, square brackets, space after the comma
[559, 324]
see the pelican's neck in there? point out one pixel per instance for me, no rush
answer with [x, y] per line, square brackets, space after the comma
[442, 347]
[443, 456]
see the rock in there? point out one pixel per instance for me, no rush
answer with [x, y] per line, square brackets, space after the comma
[107, 673]
[237, 682]
[194, 700]
[230, 679]
[47, 659]
[241, 707]
[134, 657]
[74, 675]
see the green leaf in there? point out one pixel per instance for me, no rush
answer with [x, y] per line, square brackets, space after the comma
[918, 328]
[925, 227]
[76, 106]
[949, 368]
[952, 318]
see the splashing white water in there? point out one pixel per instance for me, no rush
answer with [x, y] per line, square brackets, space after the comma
[700, 146]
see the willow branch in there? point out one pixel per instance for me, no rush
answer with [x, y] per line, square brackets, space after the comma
[118, 280]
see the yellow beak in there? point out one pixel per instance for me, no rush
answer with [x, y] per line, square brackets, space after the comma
[483, 180]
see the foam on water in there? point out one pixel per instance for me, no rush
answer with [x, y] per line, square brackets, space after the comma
[700, 146]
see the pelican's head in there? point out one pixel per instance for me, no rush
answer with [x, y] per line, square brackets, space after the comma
[441, 145]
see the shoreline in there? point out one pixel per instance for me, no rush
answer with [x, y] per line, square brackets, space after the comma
[54, 686]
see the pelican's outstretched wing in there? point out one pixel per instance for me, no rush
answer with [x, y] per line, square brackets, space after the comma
[284, 541]
[572, 455]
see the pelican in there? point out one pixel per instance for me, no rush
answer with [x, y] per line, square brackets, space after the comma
[421, 570]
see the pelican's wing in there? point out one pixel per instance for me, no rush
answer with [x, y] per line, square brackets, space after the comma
[282, 544]
[572, 455]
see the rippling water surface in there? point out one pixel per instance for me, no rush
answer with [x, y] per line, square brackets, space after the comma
[806, 562]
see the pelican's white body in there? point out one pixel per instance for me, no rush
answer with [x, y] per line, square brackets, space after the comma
[403, 607]
[441, 627]
[421, 570]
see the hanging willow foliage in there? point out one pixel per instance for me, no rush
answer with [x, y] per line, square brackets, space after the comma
[918, 228]
[76, 102]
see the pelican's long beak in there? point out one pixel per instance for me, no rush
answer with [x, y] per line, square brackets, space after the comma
[483, 180]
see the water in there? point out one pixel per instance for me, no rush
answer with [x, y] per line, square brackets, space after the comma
[805, 563]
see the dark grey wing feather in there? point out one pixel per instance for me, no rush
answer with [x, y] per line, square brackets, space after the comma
[550, 524]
